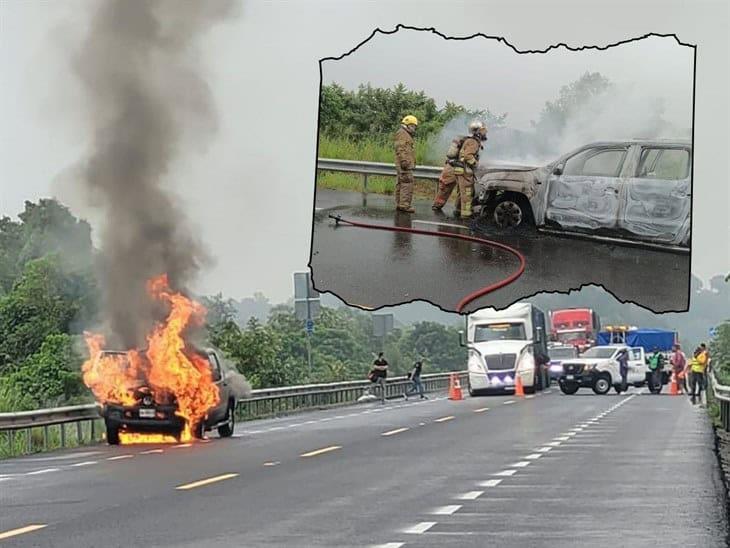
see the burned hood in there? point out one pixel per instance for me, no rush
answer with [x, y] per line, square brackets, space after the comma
[503, 168]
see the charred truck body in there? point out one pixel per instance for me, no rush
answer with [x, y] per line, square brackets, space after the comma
[634, 191]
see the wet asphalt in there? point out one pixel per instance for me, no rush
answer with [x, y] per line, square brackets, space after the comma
[373, 268]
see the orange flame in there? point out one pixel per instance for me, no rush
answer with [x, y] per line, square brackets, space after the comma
[167, 366]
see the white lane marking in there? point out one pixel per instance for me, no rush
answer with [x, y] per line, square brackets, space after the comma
[569, 434]
[534, 456]
[153, 451]
[543, 449]
[584, 425]
[562, 438]
[446, 510]
[44, 471]
[444, 419]
[578, 429]
[471, 495]
[419, 528]
[554, 443]
[548, 391]
[489, 483]
[119, 457]
[180, 445]
[481, 410]
[272, 463]
[389, 545]
[520, 464]
[21, 530]
[529, 397]
[275, 428]
[508, 402]
[505, 473]
[322, 451]
[85, 463]
[396, 431]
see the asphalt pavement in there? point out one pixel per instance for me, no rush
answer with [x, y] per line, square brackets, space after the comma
[544, 470]
[374, 268]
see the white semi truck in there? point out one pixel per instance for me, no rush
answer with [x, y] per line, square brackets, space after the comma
[504, 344]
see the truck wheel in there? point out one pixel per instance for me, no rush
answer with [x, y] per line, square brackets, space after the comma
[508, 212]
[602, 384]
[112, 434]
[199, 430]
[568, 388]
[226, 430]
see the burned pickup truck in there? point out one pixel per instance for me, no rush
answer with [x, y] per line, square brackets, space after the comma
[635, 191]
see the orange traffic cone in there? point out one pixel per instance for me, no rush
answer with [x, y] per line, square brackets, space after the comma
[455, 387]
[519, 389]
[673, 388]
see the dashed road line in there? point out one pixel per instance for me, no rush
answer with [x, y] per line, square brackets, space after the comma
[322, 451]
[446, 510]
[490, 483]
[419, 528]
[44, 471]
[470, 495]
[529, 397]
[543, 449]
[481, 410]
[508, 402]
[520, 464]
[204, 482]
[505, 473]
[272, 463]
[180, 445]
[120, 457]
[22, 530]
[85, 463]
[444, 419]
[389, 545]
[152, 451]
[396, 431]
[534, 456]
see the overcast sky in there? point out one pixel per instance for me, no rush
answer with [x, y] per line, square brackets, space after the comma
[250, 191]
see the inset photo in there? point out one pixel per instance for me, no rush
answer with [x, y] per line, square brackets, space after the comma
[469, 174]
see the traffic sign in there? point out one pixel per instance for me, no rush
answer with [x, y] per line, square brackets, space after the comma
[309, 326]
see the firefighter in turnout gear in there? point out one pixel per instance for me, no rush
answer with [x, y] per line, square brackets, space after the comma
[405, 163]
[461, 161]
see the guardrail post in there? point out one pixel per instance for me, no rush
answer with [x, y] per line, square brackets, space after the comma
[11, 439]
[63, 434]
[29, 439]
[93, 431]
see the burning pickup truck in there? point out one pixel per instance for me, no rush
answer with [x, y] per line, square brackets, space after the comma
[637, 191]
[139, 412]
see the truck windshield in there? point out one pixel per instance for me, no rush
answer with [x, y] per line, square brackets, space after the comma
[499, 332]
[562, 353]
[604, 352]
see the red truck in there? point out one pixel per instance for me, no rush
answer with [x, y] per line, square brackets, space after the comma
[575, 326]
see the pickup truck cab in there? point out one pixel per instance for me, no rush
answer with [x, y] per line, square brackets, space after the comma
[598, 368]
[153, 412]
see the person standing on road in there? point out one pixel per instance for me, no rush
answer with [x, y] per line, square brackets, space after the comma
[416, 385]
[678, 362]
[656, 366]
[405, 163]
[697, 368]
[460, 171]
[379, 373]
[623, 368]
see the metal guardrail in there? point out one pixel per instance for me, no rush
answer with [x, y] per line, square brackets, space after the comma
[374, 168]
[43, 429]
[722, 395]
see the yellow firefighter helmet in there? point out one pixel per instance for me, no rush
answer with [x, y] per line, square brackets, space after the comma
[409, 120]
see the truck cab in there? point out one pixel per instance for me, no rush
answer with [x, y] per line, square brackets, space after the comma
[503, 345]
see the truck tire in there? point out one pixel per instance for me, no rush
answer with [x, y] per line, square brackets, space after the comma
[568, 387]
[602, 384]
[226, 430]
[112, 434]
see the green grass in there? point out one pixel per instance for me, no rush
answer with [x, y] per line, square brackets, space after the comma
[372, 150]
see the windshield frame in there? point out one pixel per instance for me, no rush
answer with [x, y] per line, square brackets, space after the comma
[485, 327]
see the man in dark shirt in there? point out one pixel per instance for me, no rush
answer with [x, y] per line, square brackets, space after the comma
[379, 373]
[416, 385]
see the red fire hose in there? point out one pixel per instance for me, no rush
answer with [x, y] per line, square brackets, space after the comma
[471, 296]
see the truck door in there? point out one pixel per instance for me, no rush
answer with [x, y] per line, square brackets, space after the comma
[585, 190]
[637, 367]
[219, 412]
[657, 200]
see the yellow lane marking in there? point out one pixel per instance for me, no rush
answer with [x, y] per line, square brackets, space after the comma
[22, 530]
[396, 431]
[321, 451]
[206, 481]
[481, 410]
[444, 419]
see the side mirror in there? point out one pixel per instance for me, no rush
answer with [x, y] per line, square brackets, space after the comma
[462, 342]
[558, 170]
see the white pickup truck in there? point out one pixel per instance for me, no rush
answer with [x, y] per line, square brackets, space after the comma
[598, 368]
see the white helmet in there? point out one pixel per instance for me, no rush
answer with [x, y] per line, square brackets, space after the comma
[479, 128]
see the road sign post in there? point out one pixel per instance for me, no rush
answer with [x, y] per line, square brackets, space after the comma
[382, 325]
[306, 307]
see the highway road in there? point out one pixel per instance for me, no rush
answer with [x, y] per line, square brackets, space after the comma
[373, 268]
[547, 470]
